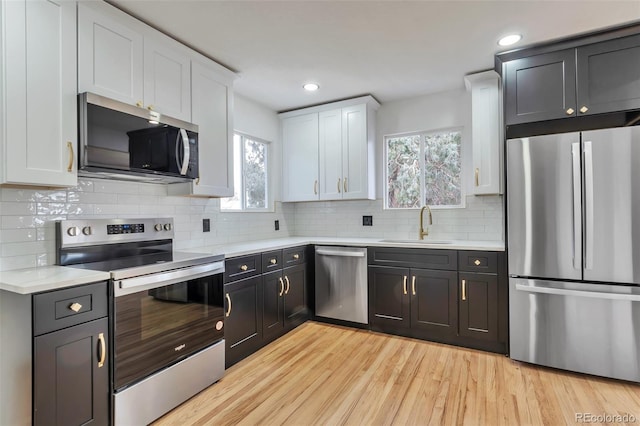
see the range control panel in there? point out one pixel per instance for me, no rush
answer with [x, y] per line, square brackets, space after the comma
[104, 231]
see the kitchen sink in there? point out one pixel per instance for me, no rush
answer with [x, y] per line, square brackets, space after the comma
[417, 241]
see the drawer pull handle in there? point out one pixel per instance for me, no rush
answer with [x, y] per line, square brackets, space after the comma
[570, 111]
[288, 284]
[226, 314]
[103, 350]
[477, 262]
[281, 287]
[273, 261]
[296, 256]
[75, 307]
[244, 268]
[584, 109]
[404, 285]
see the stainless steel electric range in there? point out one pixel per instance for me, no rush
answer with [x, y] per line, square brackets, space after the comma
[167, 311]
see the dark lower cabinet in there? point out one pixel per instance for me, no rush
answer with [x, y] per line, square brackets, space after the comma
[285, 301]
[273, 287]
[388, 297]
[71, 382]
[243, 318]
[434, 301]
[296, 309]
[479, 306]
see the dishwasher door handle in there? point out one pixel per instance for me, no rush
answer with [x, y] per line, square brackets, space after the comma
[341, 253]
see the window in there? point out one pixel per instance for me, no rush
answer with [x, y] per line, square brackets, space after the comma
[250, 181]
[423, 168]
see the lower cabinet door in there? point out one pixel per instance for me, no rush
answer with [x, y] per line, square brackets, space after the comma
[389, 297]
[479, 306]
[295, 295]
[273, 287]
[71, 376]
[243, 318]
[434, 301]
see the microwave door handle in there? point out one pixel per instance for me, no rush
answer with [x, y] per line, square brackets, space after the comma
[186, 152]
[178, 142]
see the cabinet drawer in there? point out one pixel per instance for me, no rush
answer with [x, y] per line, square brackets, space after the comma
[478, 261]
[414, 258]
[241, 267]
[271, 260]
[294, 256]
[59, 309]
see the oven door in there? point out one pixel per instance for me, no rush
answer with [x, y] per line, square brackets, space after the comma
[157, 325]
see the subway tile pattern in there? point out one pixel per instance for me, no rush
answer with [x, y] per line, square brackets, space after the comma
[481, 220]
[27, 216]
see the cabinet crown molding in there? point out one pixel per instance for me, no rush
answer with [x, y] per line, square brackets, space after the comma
[471, 79]
[368, 99]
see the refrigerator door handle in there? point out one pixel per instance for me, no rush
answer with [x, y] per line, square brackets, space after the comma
[588, 199]
[577, 210]
[581, 293]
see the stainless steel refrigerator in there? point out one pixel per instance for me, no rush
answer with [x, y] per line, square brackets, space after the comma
[574, 251]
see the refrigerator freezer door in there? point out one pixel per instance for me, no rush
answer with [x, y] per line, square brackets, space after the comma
[589, 328]
[544, 206]
[612, 205]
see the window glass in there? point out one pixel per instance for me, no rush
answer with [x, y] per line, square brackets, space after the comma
[250, 176]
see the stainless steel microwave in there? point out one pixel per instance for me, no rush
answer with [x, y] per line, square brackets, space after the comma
[122, 141]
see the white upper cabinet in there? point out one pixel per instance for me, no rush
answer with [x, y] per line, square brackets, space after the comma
[342, 165]
[38, 144]
[110, 55]
[167, 79]
[211, 104]
[486, 133]
[121, 58]
[300, 158]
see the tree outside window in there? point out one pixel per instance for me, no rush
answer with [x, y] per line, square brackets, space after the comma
[424, 168]
[250, 183]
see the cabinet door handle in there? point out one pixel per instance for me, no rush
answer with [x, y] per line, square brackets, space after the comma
[477, 176]
[315, 187]
[413, 285]
[139, 104]
[71, 156]
[197, 182]
[344, 184]
[339, 185]
[404, 285]
[281, 287]
[570, 111]
[150, 107]
[243, 268]
[103, 350]
[464, 289]
[286, 278]
[584, 109]
[226, 314]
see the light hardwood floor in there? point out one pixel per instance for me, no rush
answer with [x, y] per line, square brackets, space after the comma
[327, 375]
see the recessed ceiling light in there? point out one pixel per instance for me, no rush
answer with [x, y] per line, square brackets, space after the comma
[509, 39]
[311, 87]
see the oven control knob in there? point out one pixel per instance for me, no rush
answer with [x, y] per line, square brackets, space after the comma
[87, 230]
[158, 227]
[219, 325]
[167, 227]
[73, 231]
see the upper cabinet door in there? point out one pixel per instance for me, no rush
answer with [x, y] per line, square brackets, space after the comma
[167, 79]
[212, 102]
[109, 56]
[330, 151]
[541, 87]
[355, 155]
[300, 158]
[41, 98]
[609, 76]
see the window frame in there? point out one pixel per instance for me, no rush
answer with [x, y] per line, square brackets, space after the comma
[268, 201]
[422, 134]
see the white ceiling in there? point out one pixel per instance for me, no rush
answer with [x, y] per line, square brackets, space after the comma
[390, 49]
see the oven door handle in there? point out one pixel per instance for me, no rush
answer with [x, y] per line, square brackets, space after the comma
[171, 277]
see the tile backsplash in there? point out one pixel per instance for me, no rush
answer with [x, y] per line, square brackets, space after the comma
[27, 236]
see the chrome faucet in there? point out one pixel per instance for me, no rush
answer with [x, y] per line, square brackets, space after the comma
[423, 233]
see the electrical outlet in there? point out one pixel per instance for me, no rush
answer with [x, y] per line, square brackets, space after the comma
[206, 225]
[277, 225]
[367, 220]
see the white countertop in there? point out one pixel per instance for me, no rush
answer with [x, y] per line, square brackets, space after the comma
[35, 280]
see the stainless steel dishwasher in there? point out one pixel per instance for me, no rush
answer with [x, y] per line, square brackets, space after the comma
[341, 283]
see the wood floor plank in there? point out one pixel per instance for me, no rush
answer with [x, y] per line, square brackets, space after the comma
[322, 374]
